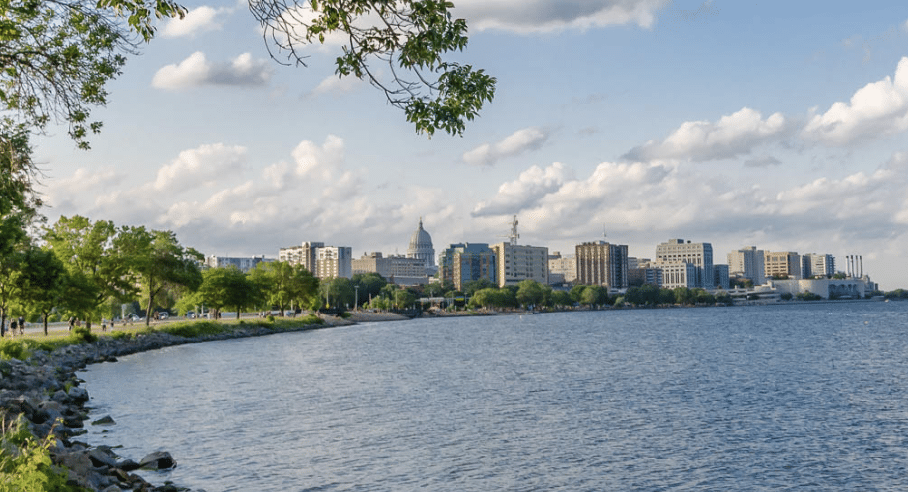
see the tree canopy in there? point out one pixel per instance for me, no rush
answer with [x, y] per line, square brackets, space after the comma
[398, 46]
[56, 57]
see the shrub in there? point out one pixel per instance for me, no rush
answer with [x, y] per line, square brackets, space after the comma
[13, 349]
[82, 334]
[193, 330]
[271, 318]
[25, 461]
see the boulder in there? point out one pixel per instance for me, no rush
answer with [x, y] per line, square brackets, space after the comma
[106, 420]
[160, 460]
[78, 394]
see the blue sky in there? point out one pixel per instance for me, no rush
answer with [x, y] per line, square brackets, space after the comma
[734, 123]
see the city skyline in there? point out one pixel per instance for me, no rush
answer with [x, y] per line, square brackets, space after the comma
[771, 124]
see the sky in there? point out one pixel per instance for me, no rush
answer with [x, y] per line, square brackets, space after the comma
[781, 125]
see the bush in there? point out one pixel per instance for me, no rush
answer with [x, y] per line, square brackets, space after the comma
[25, 462]
[193, 330]
[13, 349]
[82, 334]
[270, 318]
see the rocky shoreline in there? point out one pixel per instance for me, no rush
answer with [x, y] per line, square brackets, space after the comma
[45, 391]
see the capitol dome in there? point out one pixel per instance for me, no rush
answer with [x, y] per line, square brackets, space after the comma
[421, 246]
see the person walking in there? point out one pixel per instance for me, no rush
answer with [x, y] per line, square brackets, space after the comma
[72, 322]
[22, 325]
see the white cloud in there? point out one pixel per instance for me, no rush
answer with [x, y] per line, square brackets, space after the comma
[338, 85]
[531, 16]
[517, 143]
[877, 109]
[733, 135]
[196, 21]
[525, 192]
[204, 165]
[196, 71]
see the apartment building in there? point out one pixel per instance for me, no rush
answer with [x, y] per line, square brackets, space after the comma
[601, 263]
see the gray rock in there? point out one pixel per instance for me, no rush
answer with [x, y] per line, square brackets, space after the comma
[78, 394]
[160, 460]
[106, 420]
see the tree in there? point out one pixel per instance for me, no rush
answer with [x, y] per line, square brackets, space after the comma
[562, 299]
[532, 293]
[58, 55]
[282, 284]
[403, 298]
[337, 292]
[89, 252]
[158, 262]
[41, 282]
[226, 287]
[369, 285]
[473, 286]
[409, 37]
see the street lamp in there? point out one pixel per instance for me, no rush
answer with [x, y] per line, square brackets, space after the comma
[356, 298]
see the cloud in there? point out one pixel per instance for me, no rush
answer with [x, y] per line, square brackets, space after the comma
[338, 85]
[764, 161]
[196, 71]
[517, 143]
[204, 165]
[877, 109]
[733, 135]
[198, 20]
[532, 185]
[539, 16]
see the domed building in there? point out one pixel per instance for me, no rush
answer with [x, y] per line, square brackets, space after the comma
[421, 247]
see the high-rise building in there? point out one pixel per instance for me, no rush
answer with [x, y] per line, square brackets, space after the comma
[397, 269]
[784, 264]
[601, 263]
[465, 262]
[322, 261]
[518, 263]
[304, 255]
[722, 278]
[562, 269]
[815, 265]
[243, 264]
[747, 263]
[333, 262]
[700, 255]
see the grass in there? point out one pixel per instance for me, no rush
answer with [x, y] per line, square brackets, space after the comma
[22, 347]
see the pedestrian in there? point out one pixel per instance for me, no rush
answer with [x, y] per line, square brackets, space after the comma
[72, 322]
[12, 327]
[22, 325]
[103, 324]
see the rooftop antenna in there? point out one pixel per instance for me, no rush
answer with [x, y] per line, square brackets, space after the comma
[603, 231]
[514, 234]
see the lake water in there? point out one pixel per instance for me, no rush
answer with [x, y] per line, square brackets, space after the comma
[811, 397]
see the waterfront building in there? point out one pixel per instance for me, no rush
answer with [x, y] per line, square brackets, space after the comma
[421, 248]
[827, 288]
[322, 261]
[400, 270]
[634, 262]
[678, 274]
[722, 277]
[517, 263]
[305, 255]
[699, 255]
[747, 263]
[333, 262]
[601, 263]
[815, 265]
[465, 262]
[784, 264]
[243, 264]
[644, 273]
[562, 269]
